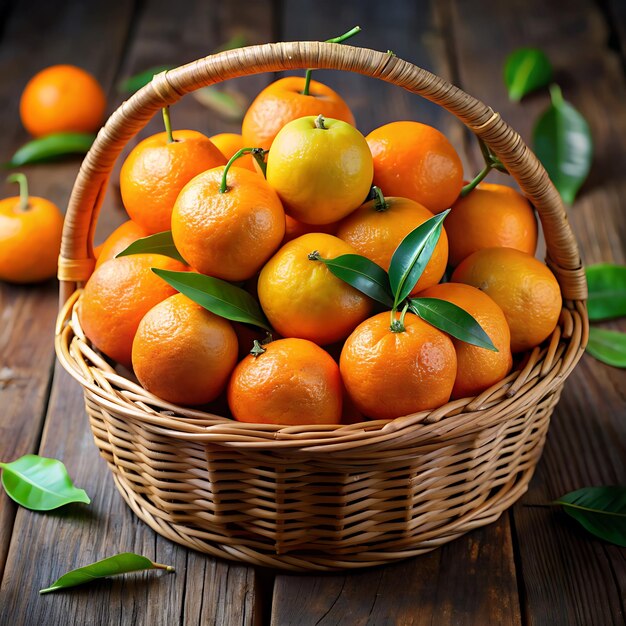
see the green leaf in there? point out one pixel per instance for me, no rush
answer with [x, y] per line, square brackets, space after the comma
[51, 147]
[119, 564]
[601, 510]
[525, 70]
[453, 320]
[608, 346]
[217, 296]
[562, 142]
[226, 102]
[607, 291]
[160, 243]
[412, 255]
[136, 82]
[362, 274]
[40, 484]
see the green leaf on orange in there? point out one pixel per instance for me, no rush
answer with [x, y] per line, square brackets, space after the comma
[217, 296]
[159, 243]
[412, 255]
[451, 319]
[362, 274]
[39, 483]
[112, 566]
[607, 291]
[600, 510]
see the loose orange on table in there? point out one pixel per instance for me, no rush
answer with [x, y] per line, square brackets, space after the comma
[156, 170]
[302, 298]
[390, 374]
[321, 169]
[490, 216]
[228, 235]
[119, 240]
[182, 353]
[288, 381]
[284, 101]
[375, 231]
[30, 237]
[477, 368]
[523, 287]
[116, 297]
[414, 160]
[62, 98]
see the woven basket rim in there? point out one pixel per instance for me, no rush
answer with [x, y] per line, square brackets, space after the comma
[547, 366]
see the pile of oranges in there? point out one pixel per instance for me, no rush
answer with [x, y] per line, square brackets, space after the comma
[309, 188]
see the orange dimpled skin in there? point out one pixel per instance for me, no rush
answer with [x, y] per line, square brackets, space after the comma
[118, 294]
[30, 239]
[490, 216]
[389, 374]
[62, 98]
[523, 287]
[302, 298]
[156, 170]
[228, 235]
[477, 368]
[119, 240]
[292, 382]
[283, 101]
[182, 353]
[377, 232]
[416, 161]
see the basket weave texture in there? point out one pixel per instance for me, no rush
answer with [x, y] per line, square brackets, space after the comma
[319, 497]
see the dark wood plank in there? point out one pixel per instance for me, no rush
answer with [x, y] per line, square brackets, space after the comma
[472, 580]
[465, 582]
[567, 577]
[28, 313]
[204, 590]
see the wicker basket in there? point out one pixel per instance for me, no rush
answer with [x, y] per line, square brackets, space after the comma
[319, 497]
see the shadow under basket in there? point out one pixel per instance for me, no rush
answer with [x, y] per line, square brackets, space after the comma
[319, 497]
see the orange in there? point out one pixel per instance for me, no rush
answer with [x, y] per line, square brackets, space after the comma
[490, 216]
[155, 171]
[375, 231]
[388, 374]
[321, 169]
[30, 238]
[62, 98]
[416, 161]
[294, 228]
[119, 240]
[283, 101]
[289, 381]
[477, 368]
[118, 294]
[523, 287]
[229, 144]
[228, 235]
[182, 353]
[301, 297]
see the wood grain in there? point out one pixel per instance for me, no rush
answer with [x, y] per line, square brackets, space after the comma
[28, 313]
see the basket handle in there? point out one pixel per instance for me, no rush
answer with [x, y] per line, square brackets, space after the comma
[76, 261]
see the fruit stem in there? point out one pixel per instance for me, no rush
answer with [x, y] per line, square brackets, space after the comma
[22, 181]
[314, 256]
[259, 156]
[397, 325]
[478, 179]
[168, 124]
[319, 122]
[239, 153]
[257, 349]
[380, 203]
[167, 568]
[340, 39]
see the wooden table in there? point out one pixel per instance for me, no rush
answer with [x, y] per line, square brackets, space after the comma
[533, 566]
